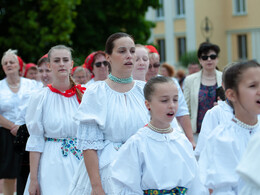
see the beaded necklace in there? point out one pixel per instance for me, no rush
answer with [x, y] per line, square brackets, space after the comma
[244, 125]
[120, 80]
[167, 130]
[13, 86]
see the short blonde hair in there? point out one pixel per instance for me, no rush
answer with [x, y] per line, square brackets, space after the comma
[10, 52]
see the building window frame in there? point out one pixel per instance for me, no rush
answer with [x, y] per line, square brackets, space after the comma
[242, 47]
[161, 49]
[180, 8]
[181, 46]
[160, 11]
[239, 7]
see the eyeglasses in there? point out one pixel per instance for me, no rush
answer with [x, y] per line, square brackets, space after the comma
[212, 57]
[99, 64]
[155, 65]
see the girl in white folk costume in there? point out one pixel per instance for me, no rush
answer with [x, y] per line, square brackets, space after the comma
[52, 142]
[248, 168]
[227, 143]
[157, 159]
[111, 111]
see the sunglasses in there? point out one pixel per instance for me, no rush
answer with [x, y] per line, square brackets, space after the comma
[155, 65]
[212, 57]
[99, 64]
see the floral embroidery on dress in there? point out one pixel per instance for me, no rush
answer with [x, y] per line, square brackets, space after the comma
[68, 144]
[174, 191]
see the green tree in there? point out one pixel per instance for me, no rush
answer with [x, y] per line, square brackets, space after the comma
[97, 19]
[189, 57]
[32, 27]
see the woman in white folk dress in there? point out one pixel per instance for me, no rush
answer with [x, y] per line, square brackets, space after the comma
[111, 111]
[52, 142]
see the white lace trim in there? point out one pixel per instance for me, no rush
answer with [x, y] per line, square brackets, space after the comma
[87, 144]
[90, 137]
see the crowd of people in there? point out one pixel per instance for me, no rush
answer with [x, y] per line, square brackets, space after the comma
[123, 123]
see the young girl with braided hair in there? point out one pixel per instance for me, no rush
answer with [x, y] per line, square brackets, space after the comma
[54, 156]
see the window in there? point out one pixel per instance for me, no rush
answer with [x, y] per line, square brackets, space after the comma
[180, 8]
[181, 46]
[161, 44]
[239, 6]
[242, 47]
[159, 11]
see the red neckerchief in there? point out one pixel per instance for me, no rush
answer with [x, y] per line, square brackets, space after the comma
[70, 92]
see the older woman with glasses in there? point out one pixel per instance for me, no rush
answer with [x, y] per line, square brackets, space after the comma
[154, 65]
[96, 62]
[200, 88]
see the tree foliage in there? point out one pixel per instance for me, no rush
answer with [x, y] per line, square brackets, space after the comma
[33, 26]
[188, 58]
[97, 19]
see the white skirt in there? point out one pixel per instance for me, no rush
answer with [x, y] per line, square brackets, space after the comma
[55, 170]
[81, 184]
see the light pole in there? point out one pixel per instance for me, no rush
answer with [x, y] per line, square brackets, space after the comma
[206, 28]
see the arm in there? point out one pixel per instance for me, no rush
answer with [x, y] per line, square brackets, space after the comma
[34, 188]
[6, 123]
[186, 125]
[92, 166]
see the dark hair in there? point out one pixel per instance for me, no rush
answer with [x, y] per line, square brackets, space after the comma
[98, 53]
[233, 73]
[205, 47]
[149, 87]
[42, 60]
[169, 68]
[110, 41]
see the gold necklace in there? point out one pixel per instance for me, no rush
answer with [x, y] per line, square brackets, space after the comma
[167, 130]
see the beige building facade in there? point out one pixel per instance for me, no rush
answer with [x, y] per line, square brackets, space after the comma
[181, 25]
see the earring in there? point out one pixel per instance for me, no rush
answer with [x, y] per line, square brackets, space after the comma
[149, 109]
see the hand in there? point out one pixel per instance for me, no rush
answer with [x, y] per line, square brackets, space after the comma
[97, 191]
[14, 129]
[34, 188]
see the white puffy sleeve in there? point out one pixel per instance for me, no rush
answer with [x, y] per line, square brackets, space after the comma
[33, 119]
[217, 163]
[249, 166]
[126, 170]
[208, 124]
[92, 117]
[183, 108]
